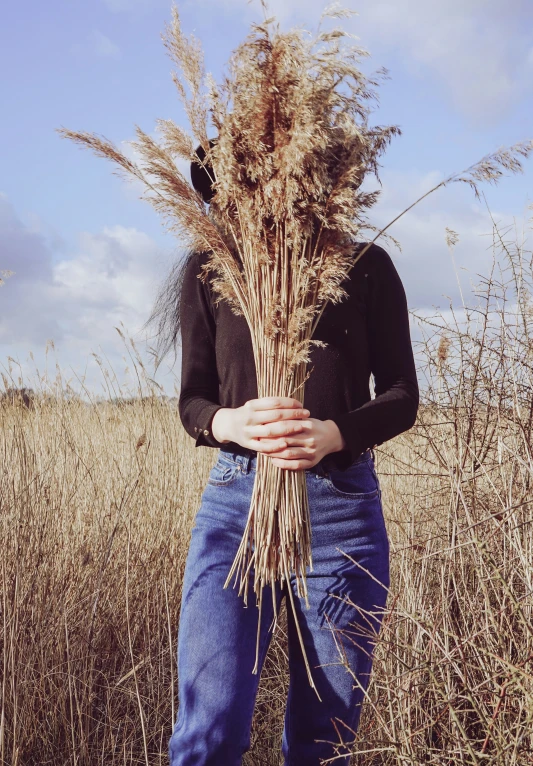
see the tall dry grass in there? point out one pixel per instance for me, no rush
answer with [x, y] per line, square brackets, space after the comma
[453, 677]
[98, 500]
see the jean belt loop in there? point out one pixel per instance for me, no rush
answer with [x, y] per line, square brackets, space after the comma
[246, 462]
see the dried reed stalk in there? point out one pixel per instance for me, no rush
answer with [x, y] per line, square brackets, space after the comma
[293, 148]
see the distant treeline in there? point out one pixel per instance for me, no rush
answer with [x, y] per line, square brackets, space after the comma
[28, 399]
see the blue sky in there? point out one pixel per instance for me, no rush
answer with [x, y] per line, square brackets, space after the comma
[88, 255]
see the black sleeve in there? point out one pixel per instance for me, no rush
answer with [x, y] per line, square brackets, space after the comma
[395, 406]
[199, 398]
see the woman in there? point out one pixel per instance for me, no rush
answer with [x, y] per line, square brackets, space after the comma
[332, 440]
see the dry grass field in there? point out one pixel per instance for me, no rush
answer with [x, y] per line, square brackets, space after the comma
[97, 503]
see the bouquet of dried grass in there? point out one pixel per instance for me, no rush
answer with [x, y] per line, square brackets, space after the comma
[293, 148]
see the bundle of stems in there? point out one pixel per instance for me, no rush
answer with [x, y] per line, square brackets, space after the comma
[282, 229]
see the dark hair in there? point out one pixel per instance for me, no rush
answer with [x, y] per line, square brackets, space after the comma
[166, 311]
[202, 175]
[165, 314]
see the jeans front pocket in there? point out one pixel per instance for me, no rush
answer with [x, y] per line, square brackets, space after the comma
[359, 481]
[223, 472]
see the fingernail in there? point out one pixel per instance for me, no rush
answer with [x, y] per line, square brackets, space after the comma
[306, 412]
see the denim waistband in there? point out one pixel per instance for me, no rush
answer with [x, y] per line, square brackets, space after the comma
[248, 460]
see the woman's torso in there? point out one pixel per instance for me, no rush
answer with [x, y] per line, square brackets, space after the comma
[339, 372]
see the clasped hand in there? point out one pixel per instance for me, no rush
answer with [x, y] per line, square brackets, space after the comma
[281, 428]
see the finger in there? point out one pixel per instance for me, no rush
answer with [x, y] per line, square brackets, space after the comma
[295, 453]
[269, 416]
[285, 443]
[273, 402]
[281, 428]
[300, 440]
[268, 446]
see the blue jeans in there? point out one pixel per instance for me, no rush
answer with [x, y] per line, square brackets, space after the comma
[217, 634]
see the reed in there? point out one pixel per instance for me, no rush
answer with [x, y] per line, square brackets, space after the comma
[294, 145]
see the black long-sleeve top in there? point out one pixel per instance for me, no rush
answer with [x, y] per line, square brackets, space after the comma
[368, 332]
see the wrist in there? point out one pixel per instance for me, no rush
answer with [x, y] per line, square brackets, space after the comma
[221, 425]
[337, 441]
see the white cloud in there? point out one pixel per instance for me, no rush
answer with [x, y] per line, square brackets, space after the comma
[111, 278]
[430, 273]
[97, 44]
[109, 281]
[111, 270]
[424, 263]
[476, 49]
[103, 46]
